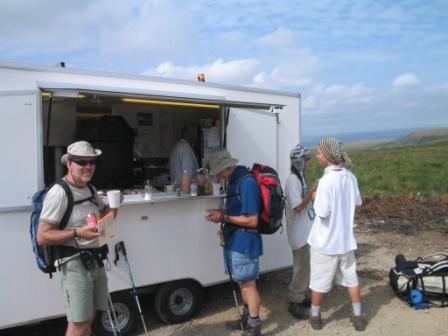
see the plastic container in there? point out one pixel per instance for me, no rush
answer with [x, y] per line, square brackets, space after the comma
[193, 188]
[185, 182]
[148, 191]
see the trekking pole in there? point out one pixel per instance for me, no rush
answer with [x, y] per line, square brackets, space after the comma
[113, 316]
[111, 322]
[120, 247]
[233, 284]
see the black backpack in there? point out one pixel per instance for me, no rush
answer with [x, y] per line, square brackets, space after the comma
[46, 254]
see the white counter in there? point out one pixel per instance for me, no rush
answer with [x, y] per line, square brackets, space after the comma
[158, 197]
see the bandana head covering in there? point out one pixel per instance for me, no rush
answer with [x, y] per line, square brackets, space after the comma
[299, 155]
[334, 151]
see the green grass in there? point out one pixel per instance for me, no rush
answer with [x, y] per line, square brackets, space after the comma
[409, 169]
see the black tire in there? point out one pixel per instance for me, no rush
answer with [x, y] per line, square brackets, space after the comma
[127, 316]
[178, 301]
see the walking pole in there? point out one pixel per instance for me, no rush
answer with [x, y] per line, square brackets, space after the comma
[112, 317]
[232, 282]
[111, 322]
[120, 247]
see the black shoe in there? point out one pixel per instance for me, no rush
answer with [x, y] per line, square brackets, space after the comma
[252, 330]
[359, 322]
[316, 322]
[298, 310]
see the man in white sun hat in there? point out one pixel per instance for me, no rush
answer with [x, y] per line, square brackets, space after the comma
[243, 244]
[83, 279]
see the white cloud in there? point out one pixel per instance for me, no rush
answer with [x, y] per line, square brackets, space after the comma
[437, 88]
[407, 79]
[118, 27]
[330, 99]
[242, 71]
[279, 38]
[309, 103]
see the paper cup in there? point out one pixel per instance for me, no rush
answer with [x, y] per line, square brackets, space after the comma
[113, 196]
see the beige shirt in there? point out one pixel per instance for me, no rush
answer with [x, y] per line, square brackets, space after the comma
[55, 204]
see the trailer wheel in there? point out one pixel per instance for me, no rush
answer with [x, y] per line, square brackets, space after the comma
[127, 316]
[178, 301]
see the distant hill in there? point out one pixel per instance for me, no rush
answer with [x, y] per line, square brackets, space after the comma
[428, 136]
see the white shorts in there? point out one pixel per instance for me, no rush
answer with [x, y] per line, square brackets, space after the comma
[325, 268]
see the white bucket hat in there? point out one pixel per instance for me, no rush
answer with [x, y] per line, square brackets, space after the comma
[221, 160]
[80, 148]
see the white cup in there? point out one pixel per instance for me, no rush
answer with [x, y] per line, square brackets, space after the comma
[113, 197]
[216, 189]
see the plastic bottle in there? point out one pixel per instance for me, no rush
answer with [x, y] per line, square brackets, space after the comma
[148, 191]
[200, 183]
[185, 182]
[207, 184]
[193, 187]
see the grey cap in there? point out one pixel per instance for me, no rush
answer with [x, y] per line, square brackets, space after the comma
[221, 160]
[80, 148]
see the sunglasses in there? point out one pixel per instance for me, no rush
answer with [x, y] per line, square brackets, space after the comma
[84, 163]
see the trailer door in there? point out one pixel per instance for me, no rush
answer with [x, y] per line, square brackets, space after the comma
[252, 136]
[20, 148]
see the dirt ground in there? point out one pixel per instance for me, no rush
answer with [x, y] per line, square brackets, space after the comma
[385, 226]
[411, 225]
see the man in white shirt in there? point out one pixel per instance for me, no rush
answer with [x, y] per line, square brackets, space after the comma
[331, 238]
[183, 159]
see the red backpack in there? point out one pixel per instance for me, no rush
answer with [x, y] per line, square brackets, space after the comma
[272, 199]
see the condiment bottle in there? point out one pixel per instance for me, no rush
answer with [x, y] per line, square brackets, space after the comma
[207, 184]
[193, 187]
[185, 182]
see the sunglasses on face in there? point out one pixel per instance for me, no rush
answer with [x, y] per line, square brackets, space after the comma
[84, 163]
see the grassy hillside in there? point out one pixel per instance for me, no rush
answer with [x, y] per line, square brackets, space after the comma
[428, 136]
[407, 169]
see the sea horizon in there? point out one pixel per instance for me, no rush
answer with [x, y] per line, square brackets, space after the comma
[311, 140]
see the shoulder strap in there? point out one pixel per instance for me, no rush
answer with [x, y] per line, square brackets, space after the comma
[241, 179]
[91, 198]
[68, 211]
[237, 193]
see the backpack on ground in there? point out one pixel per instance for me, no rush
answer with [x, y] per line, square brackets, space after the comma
[272, 200]
[46, 255]
[422, 282]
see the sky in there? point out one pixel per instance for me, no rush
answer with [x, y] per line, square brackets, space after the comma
[358, 65]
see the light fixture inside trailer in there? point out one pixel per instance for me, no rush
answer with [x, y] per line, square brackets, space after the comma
[165, 102]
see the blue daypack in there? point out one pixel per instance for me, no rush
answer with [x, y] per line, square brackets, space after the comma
[46, 255]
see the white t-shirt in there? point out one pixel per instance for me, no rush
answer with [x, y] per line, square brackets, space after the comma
[337, 196]
[298, 224]
[182, 158]
[55, 204]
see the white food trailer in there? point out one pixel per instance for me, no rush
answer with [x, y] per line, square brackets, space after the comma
[135, 120]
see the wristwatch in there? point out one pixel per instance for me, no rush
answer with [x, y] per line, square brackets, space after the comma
[226, 219]
[75, 234]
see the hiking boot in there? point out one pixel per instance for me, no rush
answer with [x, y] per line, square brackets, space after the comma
[252, 330]
[359, 322]
[298, 310]
[236, 324]
[316, 322]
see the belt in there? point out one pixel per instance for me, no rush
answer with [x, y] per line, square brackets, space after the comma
[68, 251]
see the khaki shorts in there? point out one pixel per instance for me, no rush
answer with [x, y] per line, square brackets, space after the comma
[325, 268]
[84, 291]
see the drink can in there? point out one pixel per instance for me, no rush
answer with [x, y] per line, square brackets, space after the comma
[91, 218]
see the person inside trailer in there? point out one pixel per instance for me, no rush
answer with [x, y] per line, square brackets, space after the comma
[183, 160]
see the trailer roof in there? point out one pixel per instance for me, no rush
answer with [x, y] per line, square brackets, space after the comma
[43, 68]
